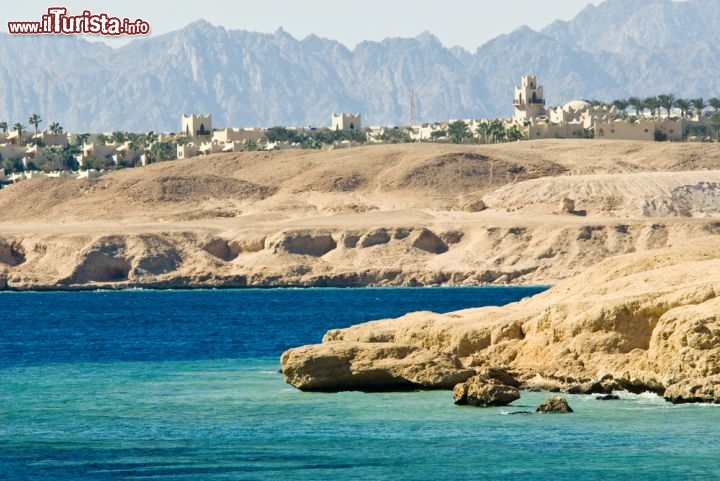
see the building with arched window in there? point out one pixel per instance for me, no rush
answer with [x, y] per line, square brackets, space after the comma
[346, 122]
[196, 127]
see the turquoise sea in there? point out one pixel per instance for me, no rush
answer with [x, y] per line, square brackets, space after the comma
[184, 385]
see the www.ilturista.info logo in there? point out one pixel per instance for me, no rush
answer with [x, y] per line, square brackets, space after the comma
[57, 21]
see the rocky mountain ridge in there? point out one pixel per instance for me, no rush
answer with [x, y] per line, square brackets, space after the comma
[615, 49]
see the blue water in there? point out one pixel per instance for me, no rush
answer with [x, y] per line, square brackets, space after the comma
[183, 385]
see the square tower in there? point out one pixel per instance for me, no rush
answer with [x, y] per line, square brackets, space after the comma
[529, 101]
[346, 122]
[193, 126]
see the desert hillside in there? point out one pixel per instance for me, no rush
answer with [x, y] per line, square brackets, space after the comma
[419, 214]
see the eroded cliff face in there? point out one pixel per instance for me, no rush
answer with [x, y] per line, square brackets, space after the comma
[459, 253]
[424, 214]
[644, 321]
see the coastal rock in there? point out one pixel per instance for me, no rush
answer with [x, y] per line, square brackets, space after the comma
[221, 249]
[429, 242]
[11, 253]
[107, 260]
[374, 238]
[500, 375]
[336, 366]
[305, 243]
[350, 239]
[694, 390]
[641, 322]
[249, 245]
[482, 391]
[554, 404]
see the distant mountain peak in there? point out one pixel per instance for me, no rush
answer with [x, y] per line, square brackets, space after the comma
[428, 38]
[616, 49]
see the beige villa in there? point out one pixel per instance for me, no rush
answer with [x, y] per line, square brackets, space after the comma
[579, 118]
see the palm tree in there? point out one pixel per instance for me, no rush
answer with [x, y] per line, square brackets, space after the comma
[621, 105]
[699, 105]
[483, 129]
[4, 127]
[667, 101]
[133, 145]
[119, 137]
[653, 104]
[513, 133]
[35, 120]
[714, 103]
[55, 129]
[497, 130]
[684, 106]
[19, 128]
[638, 103]
[715, 123]
[150, 138]
[80, 139]
[457, 131]
[54, 155]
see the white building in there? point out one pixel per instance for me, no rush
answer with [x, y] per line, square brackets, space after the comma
[196, 127]
[346, 122]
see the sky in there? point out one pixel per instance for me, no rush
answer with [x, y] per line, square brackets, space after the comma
[467, 23]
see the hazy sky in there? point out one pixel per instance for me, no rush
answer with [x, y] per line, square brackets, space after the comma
[468, 23]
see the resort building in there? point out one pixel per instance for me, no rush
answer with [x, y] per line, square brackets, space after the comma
[581, 119]
[346, 122]
[196, 127]
[641, 129]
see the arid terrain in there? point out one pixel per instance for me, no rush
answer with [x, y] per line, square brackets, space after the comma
[421, 214]
[628, 232]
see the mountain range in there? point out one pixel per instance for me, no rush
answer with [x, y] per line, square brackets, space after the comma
[620, 48]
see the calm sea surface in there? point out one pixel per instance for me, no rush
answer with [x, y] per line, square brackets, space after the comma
[184, 385]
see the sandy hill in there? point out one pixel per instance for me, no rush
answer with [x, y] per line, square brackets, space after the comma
[389, 215]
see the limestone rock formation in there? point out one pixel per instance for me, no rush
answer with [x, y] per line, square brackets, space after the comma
[567, 205]
[554, 404]
[375, 237]
[484, 391]
[475, 206]
[641, 322]
[429, 242]
[304, 243]
[270, 219]
[380, 366]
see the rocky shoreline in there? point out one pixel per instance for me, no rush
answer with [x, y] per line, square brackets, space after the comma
[639, 322]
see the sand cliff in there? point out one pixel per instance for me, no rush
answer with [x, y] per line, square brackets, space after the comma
[377, 215]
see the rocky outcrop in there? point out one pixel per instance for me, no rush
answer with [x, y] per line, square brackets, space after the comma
[222, 249]
[483, 391]
[567, 205]
[554, 404]
[477, 205]
[376, 367]
[304, 243]
[11, 254]
[374, 238]
[429, 242]
[641, 322]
